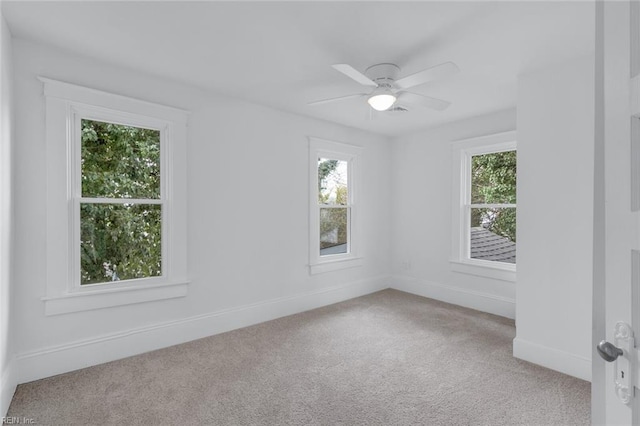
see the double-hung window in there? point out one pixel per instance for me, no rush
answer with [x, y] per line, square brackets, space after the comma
[333, 205]
[484, 208]
[116, 200]
[120, 202]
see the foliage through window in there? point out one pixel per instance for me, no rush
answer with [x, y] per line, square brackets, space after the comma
[492, 207]
[334, 207]
[121, 203]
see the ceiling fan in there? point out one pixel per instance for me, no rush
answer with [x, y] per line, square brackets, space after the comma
[388, 92]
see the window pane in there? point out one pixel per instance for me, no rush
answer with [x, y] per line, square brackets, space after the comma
[493, 178]
[120, 161]
[120, 242]
[333, 231]
[493, 234]
[332, 182]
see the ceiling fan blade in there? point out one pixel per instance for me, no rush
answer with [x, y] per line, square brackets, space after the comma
[424, 76]
[341, 98]
[425, 101]
[354, 74]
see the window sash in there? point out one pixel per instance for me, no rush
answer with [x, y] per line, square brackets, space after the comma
[108, 116]
[339, 157]
[466, 243]
[348, 252]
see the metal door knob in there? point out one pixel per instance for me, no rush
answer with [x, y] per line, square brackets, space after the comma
[608, 352]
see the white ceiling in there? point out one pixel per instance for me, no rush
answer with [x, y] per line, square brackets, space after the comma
[279, 53]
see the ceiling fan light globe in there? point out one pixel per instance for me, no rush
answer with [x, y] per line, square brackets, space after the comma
[381, 102]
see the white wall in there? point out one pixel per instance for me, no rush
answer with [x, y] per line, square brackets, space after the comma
[7, 378]
[555, 216]
[421, 217]
[248, 220]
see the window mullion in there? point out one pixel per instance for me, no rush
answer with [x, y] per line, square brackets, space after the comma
[492, 206]
[102, 200]
[334, 206]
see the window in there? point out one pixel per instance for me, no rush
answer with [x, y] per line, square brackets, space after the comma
[334, 205]
[116, 231]
[333, 210]
[484, 227]
[120, 202]
[491, 208]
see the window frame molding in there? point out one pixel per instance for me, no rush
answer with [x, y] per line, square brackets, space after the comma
[462, 153]
[322, 148]
[66, 105]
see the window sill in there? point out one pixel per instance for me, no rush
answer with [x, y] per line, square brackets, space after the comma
[501, 272]
[334, 265]
[105, 298]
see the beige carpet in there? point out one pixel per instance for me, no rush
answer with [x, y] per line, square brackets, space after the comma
[389, 358]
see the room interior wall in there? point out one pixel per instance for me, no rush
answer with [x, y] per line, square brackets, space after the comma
[555, 216]
[421, 217]
[7, 376]
[247, 219]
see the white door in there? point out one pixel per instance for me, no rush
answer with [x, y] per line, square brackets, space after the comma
[617, 213]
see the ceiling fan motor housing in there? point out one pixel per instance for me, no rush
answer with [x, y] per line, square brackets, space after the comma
[383, 74]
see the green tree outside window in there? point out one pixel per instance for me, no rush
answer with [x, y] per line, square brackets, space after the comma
[120, 241]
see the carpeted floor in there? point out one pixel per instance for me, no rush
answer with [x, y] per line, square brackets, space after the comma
[389, 358]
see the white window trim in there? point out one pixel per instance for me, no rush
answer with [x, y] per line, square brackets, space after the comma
[462, 151]
[66, 105]
[321, 148]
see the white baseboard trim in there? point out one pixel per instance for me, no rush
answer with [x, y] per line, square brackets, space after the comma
[50, 361]
[479, 301]
[555, 359]
[8, 384]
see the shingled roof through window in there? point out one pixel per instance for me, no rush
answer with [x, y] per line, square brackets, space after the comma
[486, 245]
